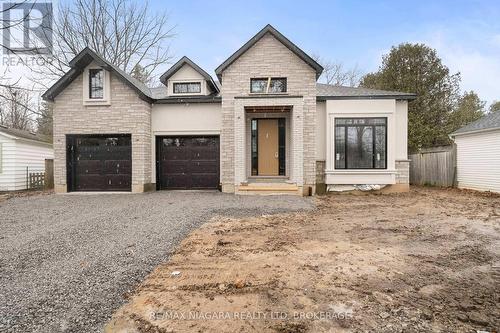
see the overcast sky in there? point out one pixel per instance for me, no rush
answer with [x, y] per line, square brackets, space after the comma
[466, 34]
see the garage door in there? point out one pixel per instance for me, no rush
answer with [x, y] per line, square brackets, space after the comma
[99, 163]
[188, 162]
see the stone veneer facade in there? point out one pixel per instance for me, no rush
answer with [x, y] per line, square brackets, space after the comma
[403, 173]
[268, 58]
[126, 114]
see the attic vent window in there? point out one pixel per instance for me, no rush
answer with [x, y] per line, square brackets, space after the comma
[187, 88]
[96, 83]
[270, 85]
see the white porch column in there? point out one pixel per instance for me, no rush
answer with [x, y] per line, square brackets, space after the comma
[239, 144]
[297, 151]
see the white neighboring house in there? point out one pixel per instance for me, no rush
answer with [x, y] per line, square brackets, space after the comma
[20, 150]
[478, 154]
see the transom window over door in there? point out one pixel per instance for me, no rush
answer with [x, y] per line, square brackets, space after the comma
[96, 83]
[268, 85]
[187, 88]
[360, 143]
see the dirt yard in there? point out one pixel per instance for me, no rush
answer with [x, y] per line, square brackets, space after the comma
[424, 261]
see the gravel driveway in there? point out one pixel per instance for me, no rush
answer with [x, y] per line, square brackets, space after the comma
[67, 261]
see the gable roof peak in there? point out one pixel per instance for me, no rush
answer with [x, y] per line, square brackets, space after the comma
[82, 60]
[281, 38]
[186, 61]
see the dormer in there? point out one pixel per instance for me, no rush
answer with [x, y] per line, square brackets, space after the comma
[185, 78]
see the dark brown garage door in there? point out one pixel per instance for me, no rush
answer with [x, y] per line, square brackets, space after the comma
[99, 162]
[187, 162]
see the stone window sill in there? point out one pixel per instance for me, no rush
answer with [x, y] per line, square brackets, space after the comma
[93, 102]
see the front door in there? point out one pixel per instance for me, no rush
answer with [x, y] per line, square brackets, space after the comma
[268, 143]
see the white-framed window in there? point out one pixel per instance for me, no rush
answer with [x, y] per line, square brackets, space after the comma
[269, 85]
[96, 83]
[361, 143]
[187, 87]
[96, 86]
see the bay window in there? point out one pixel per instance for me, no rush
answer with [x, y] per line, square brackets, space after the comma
[360, 143]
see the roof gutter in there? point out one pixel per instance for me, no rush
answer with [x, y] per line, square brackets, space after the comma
[181, 100]
[400, 97]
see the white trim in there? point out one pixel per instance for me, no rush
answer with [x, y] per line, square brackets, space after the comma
[203, 87]
[361, 172]
[187, 132]
[106, 100]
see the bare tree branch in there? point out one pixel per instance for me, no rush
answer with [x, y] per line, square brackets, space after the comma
[17, 108]
[335, 73]
[124, 32]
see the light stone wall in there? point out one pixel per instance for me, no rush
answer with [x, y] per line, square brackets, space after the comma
[126, 114]
[268, 58]
[403, 172]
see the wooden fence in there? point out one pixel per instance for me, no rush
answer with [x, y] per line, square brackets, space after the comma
[41, 180]
[49, 174]
[36, 180]
[434, 167]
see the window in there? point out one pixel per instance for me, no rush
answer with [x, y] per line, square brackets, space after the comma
[270, 85]
[187, 88]
[360, 143]
[96, 83]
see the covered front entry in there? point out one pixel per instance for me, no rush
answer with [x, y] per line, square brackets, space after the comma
[268, 147]
[99, 162]
[187, 162]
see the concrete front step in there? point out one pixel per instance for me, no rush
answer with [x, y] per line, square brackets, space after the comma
[269, 188]
[269, 179]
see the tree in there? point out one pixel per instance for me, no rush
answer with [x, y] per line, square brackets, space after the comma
[334, 73]
[16, 108]
[469, 108]
[125, 32]
[495, 106]
[417, 68]
[141, 74]
[44, 120]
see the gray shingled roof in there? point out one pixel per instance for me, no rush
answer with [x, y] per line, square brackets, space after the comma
[24, 134]
[328, 91]
[490, 121]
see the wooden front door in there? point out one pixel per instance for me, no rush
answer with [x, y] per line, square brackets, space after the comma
[268, 143]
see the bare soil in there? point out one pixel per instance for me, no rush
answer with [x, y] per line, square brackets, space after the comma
[6, 195]
[424, 261]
